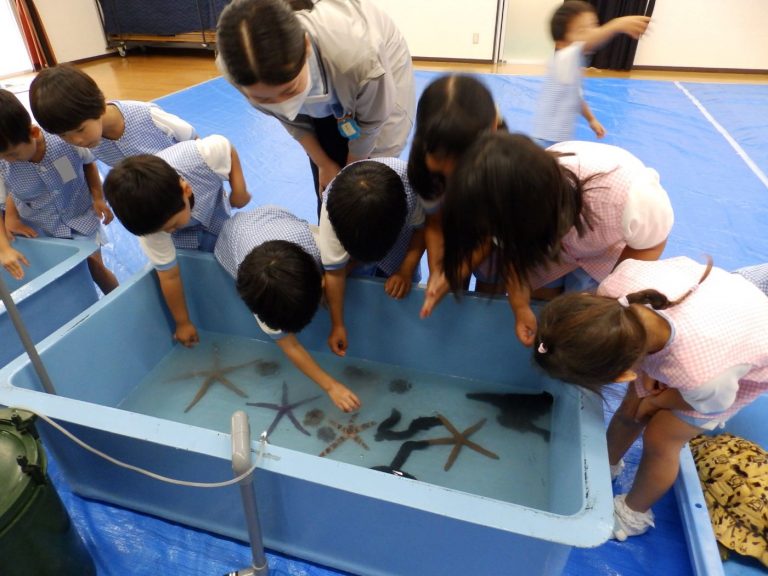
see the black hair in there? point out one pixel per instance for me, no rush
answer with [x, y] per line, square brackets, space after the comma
[280, 283]
[510, 191]
[591, 340]
[452, 111]
[567, 11]
[63, 97]
[15, 122]
[367, 208]
[145, 192]
[261, 41]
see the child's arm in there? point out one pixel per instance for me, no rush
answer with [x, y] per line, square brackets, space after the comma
[633, 26]
[594, 123]
[340, 395]
[399, 284]
[10, 258]
[519, 296]
[335, 282]
[100, 205]
[14, 226]
[240, 195]
[173, 292]
[668, 399]
[433, 239]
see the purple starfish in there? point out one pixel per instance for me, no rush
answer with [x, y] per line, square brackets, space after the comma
[284, 408]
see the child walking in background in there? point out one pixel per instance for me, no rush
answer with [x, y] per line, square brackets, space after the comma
[371, 224]
[576, 33]
[546, 217]
[177, 199]
[67, 102]
[47, 187]
[691, 340]
[274, 259]
[452, 112]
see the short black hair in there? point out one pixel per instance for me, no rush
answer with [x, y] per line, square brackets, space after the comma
[15, 121]
[63, 97]
[367, 208]
[558, 25]
[261, 41]
[144, 192]
[281, 283]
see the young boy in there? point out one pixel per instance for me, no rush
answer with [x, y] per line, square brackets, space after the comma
[274, 259]
[371, 224]
[67, 102]
[577, 34]
[46, 187]
[177, 199]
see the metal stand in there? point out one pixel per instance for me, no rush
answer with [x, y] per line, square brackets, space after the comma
[26, 341]
[241, 463]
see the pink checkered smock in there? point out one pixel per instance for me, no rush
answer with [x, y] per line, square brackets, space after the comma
[627, 204]
[722, 324]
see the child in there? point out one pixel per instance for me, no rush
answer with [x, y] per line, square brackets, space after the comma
[67, 102]
[692, 362]
[371, 224]
[578, 207]
[177, 199]
[275, 261]
[576, 34]
[338, 76]
[452, 112]
[47, 187]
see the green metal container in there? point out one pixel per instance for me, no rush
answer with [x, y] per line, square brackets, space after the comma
[37, 537]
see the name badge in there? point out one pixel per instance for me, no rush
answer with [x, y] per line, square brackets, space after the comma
[349, 128]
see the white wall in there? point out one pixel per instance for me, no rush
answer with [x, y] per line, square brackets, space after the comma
[73, 27]
[460, 29]
[684, 33]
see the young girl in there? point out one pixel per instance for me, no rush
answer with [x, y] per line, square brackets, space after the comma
[338, 76]
[452, 112]
[694, 347]
[543, 214]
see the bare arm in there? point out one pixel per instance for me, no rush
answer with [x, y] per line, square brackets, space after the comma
[335, 283]
[240, 195]
[10, 258]
[341, 396]
[93, 178]
[173, 292]
[399, 284]
[325, 165]
[433, 239]
[519, 297]
[632, 26]
[593, 122]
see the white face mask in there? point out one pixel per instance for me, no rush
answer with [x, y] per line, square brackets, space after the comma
[290, 108]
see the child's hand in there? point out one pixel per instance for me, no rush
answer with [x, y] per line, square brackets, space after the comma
[647, 407]
[103, 211]
[186, 334]
[344, 399]
[11, 259]
[337, 341]
[597, 128]
[397, 286]
[525, 325]
[437, 288]
[633, 26]
[15, 227]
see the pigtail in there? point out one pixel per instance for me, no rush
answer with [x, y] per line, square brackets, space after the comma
[659, 301]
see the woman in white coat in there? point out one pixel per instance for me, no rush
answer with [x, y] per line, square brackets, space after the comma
[337, 74]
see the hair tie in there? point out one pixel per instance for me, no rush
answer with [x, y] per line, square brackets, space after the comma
[622, 300]
[542, 349]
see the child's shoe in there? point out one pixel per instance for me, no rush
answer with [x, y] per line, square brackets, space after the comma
[627, 522]
[616, 469]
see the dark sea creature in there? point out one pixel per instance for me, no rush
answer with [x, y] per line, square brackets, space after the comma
[217, 373]
[396, 467]
[267, 367]
[518, 411]
[400, 386]
[356, 373]
[284, 409]
[313, 417]
[348, 431]
[326, 434]
[385, 432]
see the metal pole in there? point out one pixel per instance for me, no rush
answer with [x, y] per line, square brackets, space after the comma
[26, 341]
[241, 463]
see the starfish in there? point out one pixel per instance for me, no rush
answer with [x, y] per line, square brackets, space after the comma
[283, 409]
[216, 374]
[349, 432]
[460, 439]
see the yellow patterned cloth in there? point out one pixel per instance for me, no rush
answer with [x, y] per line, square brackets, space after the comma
[734, 477]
